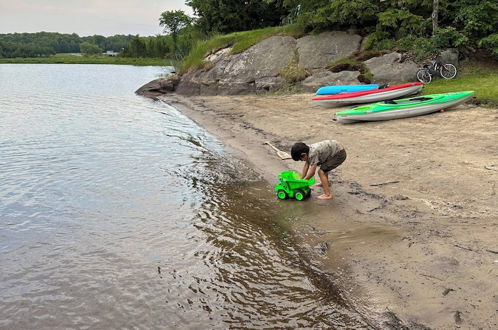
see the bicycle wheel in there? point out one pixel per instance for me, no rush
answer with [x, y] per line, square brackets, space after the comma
[424, 76]
[448, 71]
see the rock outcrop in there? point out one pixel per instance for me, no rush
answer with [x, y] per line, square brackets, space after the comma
[159, 86]
[254, 70]
[324, 78]
[318, 51]
[260, 68]
[450, 55]
[390, 68]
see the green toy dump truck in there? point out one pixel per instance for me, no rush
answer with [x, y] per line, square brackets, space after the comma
[292, 186]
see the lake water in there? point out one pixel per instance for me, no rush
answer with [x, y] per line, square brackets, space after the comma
[119, 212]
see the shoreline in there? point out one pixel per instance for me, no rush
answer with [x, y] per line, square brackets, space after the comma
[411, 231]
[103, 60]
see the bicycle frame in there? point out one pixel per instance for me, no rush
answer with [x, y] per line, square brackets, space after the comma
[434, 67]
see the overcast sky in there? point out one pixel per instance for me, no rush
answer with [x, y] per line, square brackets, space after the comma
[86, 17]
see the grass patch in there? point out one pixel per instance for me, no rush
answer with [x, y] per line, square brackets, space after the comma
[485, 86]
[344, 64]
[478, 67]
[478, 76]
[293, 72]
[366, 77]
[239, 41]
[100, 59]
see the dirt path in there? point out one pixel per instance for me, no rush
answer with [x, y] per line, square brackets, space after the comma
[412, 231]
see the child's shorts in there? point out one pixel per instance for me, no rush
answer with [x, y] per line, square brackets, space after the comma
[335, 161]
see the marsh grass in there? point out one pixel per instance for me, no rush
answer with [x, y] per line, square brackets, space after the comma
[100, 59]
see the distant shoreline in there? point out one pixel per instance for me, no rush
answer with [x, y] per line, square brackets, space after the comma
[72, 59]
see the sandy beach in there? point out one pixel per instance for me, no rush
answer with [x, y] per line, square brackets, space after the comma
[411, 234]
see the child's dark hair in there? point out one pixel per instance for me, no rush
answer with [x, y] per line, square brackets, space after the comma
[298, 149]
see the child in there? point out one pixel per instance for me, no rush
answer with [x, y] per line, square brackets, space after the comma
[326, 154]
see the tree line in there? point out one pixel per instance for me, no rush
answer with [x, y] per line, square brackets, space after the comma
[419, 26]
[48, 43]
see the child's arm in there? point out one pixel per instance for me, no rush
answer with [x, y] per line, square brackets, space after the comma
[310, 171]
[305, 169]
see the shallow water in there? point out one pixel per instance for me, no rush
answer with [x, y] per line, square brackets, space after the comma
[119, 212]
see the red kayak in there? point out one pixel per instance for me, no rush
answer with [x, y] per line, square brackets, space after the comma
[369, 96]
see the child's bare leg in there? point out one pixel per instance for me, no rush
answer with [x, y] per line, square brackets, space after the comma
[324, 178]
[319, 184]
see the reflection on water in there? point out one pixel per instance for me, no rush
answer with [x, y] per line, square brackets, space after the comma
[119, 212]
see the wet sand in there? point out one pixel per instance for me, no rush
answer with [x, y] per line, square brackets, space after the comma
[411, 234]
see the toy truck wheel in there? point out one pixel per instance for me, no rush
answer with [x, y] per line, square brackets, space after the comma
[281, 194]
[299, 195]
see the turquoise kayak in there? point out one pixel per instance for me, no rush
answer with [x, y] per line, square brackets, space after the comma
[332, 90]
[402, 108]
[368, 96]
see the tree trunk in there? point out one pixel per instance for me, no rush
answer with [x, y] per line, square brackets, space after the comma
[435, 14]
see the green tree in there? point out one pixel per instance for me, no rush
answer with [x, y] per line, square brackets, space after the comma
[136, 48]
[227, 16]
[87, 48]
[490, 42]
[174, 22]
[475, 18]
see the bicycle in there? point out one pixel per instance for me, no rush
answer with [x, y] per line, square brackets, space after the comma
[447, 71]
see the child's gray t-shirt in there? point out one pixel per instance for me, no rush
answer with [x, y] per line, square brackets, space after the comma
[321, 151]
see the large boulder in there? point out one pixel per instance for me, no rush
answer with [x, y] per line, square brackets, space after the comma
[390, 68]
[325, 78]
[317, 51]
[450, 55]
[247, 72]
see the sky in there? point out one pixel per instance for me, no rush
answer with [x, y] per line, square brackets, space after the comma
[86, 17]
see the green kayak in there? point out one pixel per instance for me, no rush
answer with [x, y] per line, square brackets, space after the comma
[402, 108]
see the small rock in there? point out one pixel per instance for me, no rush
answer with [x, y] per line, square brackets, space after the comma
[446, 291]
[458, 317]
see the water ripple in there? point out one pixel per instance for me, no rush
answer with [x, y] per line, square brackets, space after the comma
[119, 212]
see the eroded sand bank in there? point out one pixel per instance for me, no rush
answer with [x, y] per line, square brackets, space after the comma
[413, 226]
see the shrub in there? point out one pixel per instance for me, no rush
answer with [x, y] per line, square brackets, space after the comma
[400, 22]
[379, 41]
[420, 47]
[491, 43]
[423, 48]
[365, 78]
[448, 37]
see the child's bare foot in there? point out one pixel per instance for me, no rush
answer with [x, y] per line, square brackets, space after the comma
[325, 196]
